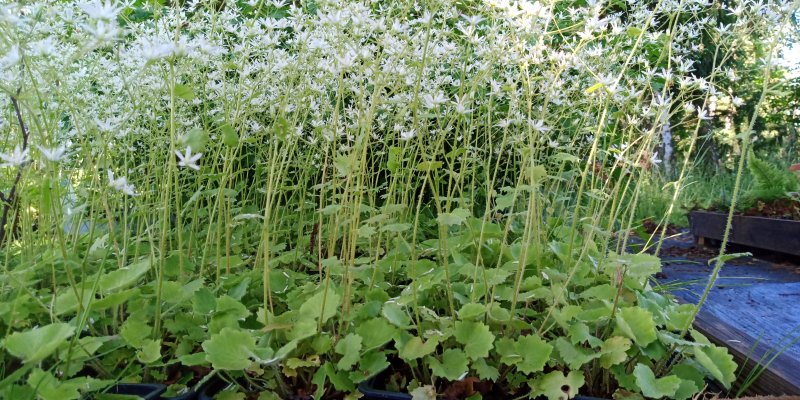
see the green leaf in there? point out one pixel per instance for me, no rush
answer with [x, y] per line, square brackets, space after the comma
[230, 349]
[573, 355]
[204, 302]
[395, 159]
[455, 217]
[134, 331]
[485, 371]
[718, 362]
[640, 265]
[349, 347]
[339, 379]
[49, 388]
[149, 352]
[229, 136]
[414, 348]
[371, 364]
[427, 166]
[686, 390]
[614, 351]
[123, 277]
[184, 92]
[652, 387]
[728, 257]
[313, 307]
[375, 332]
[454, 364]
[396, 228]
[556, 386]
[395, 314]
[36, 344]
[637, 324]
[471, 310]
[476, 338]
[534, 352]
[196, 139]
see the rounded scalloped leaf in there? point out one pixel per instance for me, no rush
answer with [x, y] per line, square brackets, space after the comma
[476, 338]
[555, 385]
[38, 343]
[637, 324]
[230, 349]
[718, 362]
[454, 364]
[655, 387]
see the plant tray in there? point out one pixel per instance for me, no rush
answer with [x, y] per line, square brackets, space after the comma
[781, 235]
[370, 392]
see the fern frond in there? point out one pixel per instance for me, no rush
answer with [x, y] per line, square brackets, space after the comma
[770, 181]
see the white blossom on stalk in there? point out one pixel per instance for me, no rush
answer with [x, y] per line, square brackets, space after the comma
[100, 10]
[539, 125]
[121, 184]
[188, 159]
[702, 114]
[407, 135]
[103, 32]
[11, 58]
[55, 154]
[461, 104]
[16, 158]
[433, 100]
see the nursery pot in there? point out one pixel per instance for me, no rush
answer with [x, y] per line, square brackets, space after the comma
[147, 391]
[371, 392]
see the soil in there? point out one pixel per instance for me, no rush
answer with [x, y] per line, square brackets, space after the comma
[651, 227]
[397, 376]
[782, 209]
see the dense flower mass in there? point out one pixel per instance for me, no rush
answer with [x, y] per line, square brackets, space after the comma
[313, 188]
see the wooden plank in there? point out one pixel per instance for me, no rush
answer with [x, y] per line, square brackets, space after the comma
[782, 377]
[764, 233]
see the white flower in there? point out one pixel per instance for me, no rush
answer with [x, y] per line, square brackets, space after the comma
[121, 184]
[98, 10]
[407, 135]
[425, 18]
[473, 19]
[16, 158]
[461, 104]
[154, 51]
[103, 32]
[11, 58]
[654, 159]
[539, 126]
[55, 154]
[553, 143]
[702, 114]
[738, 101]
[347, 60]
[433, 100]
[188, 160]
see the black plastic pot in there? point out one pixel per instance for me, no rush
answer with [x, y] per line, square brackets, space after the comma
[190, 395]
[211, 388]
[147, 391]
[367, 388]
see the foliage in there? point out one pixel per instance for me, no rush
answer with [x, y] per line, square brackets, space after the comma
[301, 196]
[770, 182]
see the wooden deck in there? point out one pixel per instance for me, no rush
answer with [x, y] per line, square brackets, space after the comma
[754, 310]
